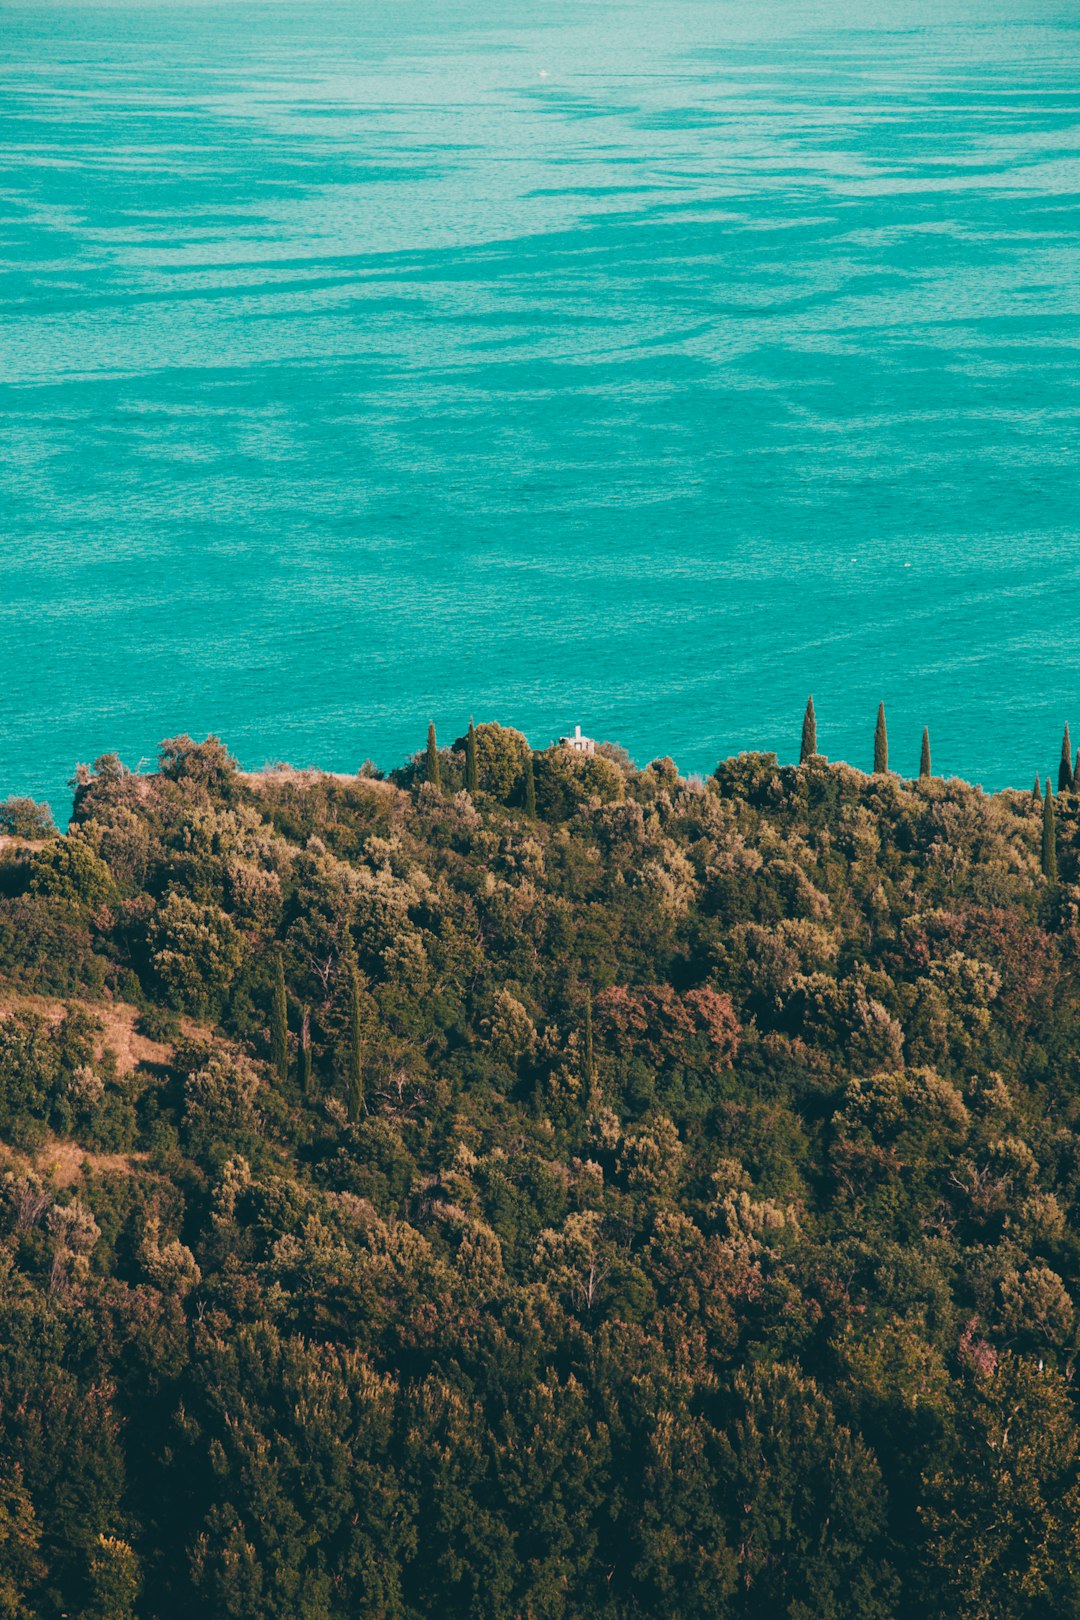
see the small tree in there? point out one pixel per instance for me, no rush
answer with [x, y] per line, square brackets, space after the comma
[114, 1580]
[924, 759]
[433, 769]
[279, 1023]
[590, 1070]
[305, 1054]
[1065, 769]
[530, 786]
[23, 818]
[1036, 792]
[808, 746]
[1049, 837]
[472, 774]
[881, 743]
[354, 1050]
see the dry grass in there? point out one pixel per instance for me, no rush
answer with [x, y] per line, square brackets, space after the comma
[308, 776]
[117, 1019]
[10, 845]
[64, 1164]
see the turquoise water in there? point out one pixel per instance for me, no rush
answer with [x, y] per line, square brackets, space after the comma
[642, 365]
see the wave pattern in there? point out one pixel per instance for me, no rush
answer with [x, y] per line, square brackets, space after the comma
[644, 365]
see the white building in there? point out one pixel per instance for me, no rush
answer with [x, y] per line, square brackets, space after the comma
[580, 744]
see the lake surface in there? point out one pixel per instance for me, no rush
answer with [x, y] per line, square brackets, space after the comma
[639, 365]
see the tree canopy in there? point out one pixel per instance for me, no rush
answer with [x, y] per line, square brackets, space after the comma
[593, 1193]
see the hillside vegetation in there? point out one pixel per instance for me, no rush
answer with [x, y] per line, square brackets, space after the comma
[594, 1194]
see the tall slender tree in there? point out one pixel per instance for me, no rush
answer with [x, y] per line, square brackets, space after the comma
[1049, 838]
[431, 765]
[530, 786]
[354, 1053]
[279, 1023]
[881, 743]
[808, 746]
[1065, 769]
[306, 1087]
[925, 771]
[472, 774]
[1076, 772]
[590, 1073]
[1036, 792]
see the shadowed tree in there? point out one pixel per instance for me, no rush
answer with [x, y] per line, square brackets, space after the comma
[1065, 769]
[279, 1024]
[1076, 770]
[472, 775]
[881, 743]
[925, 771]
[1036, 792]
[808, 746]
[354, 1051]
[1002, 1535]
[431, 764]
[305, 1053]
[530, 786]
[1049, 838]
[590, 1067]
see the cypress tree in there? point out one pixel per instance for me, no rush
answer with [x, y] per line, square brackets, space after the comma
[1076, 771]
[1049, 838]
[472, 774]
[924, 759]
[1036, 792]
[432, 766]
[589, 1073]
[354, 1053]
[305, 1054]
[1065, 769]
[808, 746]
[530, 786]
[279, 1024]
[881, 743]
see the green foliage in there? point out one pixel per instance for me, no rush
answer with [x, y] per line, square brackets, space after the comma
[529, 800]
[24, 818]
[808, 745]
[495, 761]
[672, 1209]
[1065, 766]
[306, 1076]
[1003, 1518]
[354, 1051]
[114, 1582]
[881, 743]
[206, 765]
[500, 757]
[925, 771]
[1049, 838]
[432, 766]
[67, 870]
[279, 1023]
[21, 1568]
[195, 951]
[565, 781]
[813, 1502]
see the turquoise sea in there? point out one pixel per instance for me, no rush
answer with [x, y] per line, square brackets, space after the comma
[642, 365]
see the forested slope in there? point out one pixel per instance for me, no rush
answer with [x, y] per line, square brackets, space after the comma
[597, 1194]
